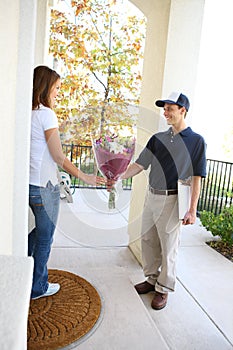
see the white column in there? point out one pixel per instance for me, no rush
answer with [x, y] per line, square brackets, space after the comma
[183, 49]
[42, 32]
[17, 35]
[157, 13]
[170, 64]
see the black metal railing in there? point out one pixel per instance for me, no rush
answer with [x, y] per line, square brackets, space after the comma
[217, 187]
[216, 191]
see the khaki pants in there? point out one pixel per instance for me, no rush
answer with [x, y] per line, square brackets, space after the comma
[160, 240]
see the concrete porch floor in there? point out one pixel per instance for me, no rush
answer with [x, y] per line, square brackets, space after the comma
[93, 243]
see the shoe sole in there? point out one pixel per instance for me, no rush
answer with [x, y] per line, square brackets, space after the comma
[145, 292]
[158, 308]
[46, 295]
[150, 291]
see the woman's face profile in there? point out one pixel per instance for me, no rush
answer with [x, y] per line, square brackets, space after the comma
[54, 92]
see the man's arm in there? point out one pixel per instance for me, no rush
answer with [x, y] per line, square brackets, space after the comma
[190, 216]
[132, 170]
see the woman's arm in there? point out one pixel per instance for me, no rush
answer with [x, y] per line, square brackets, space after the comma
[190, 216]
[55, 148]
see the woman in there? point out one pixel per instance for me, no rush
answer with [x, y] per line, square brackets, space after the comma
[44, 196]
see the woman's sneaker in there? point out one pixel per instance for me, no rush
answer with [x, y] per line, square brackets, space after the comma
[53, 288]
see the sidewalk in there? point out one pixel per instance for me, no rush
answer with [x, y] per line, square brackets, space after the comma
[92, 243]
[200, 312]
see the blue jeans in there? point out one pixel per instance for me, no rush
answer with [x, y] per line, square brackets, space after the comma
[44, 202]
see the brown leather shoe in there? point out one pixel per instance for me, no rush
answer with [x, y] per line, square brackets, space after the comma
[144, 287]
[159, 301]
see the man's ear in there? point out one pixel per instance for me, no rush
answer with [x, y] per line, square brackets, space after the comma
[183, 110]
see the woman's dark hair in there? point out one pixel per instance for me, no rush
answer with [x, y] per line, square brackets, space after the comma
[43, 80]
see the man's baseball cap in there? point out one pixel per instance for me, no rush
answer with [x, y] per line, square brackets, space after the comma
[175, 98]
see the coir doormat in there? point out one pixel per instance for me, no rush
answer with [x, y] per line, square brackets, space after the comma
[56, 321]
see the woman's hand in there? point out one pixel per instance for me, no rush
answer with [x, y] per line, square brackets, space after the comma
[94, 180]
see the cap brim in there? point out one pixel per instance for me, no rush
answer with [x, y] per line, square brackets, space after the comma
[161, 103]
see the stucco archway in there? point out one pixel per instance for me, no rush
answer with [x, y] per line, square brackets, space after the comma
[170, 63]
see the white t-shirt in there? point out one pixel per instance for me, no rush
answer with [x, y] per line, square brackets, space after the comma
[42, 166]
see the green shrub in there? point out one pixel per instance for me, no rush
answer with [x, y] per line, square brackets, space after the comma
[220, 225]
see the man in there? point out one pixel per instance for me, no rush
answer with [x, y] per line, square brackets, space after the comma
[177, 153]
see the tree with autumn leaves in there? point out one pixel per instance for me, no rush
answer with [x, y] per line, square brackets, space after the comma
[99, 54]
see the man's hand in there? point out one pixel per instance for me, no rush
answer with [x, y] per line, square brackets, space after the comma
[110, 184]
[189, 218]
